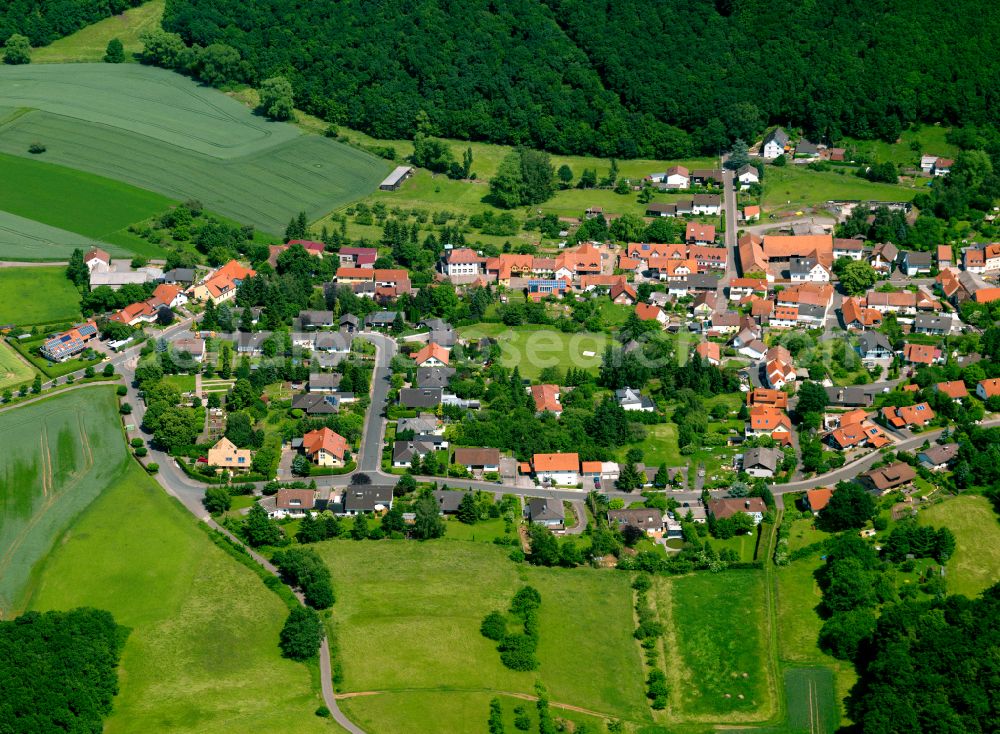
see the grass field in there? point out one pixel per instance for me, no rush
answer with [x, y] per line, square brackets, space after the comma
[532, 348]
[430, 192]
[486, 157]
[716, 646]
[793, 187]
[91, 43]
[931, 139]
[202, 655]
[163, 132]
[428, 600]
[75, 203]
[455, 712]
[21, 300]
[976, 563]
[58, 455]
[13, 369]
[797, 595]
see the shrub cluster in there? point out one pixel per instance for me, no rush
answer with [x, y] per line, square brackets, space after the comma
[648, 631]
[517, 649]
[302, 567]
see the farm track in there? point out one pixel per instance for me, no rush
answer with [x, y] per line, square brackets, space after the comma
[511, 694]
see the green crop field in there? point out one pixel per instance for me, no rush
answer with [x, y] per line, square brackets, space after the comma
[26, 239]
[91, 43]
[13, 369]
[976, 563]
[717, 650]
[533, 348]
[428, 599]
[163, 132]
[21, 290]
[58, 456]
[792, 187]
[76, 202]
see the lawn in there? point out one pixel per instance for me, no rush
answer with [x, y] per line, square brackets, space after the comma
[793, 187]
[21, 301]
[428, 599]
[13, 369]
[163, 132]
[717, 650]
[184, 383]
[91, 43]
[660, 447]
[533, 348]
[73, 204]
[976, 563]
[483, 531]
[743, 545]
[59, 455]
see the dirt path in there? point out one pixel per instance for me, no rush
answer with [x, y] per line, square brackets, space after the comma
[511, 694]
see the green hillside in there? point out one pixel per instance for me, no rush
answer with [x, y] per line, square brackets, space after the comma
[629, 78]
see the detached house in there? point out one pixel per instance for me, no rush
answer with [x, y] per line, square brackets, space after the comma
[478, 459]
[432, 355]
[225, 456]
[706, 204]
[563, 469]
[921, 354]
[650, 521]
[546, 512]
[633, 400]
[546, 399]
[915, 263]
[648, 312]
[874, 346]
[767, 421]
[69, 343]
[676, 177]
[462, 261]
[747, 176]
[722, 509]
[908, 415]
[699, 234]
[890, 477]
[762, 462]
[293, 503]
[222, 284]
[324, 447]
[987, 389]
[883, 256]
[774, 144]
